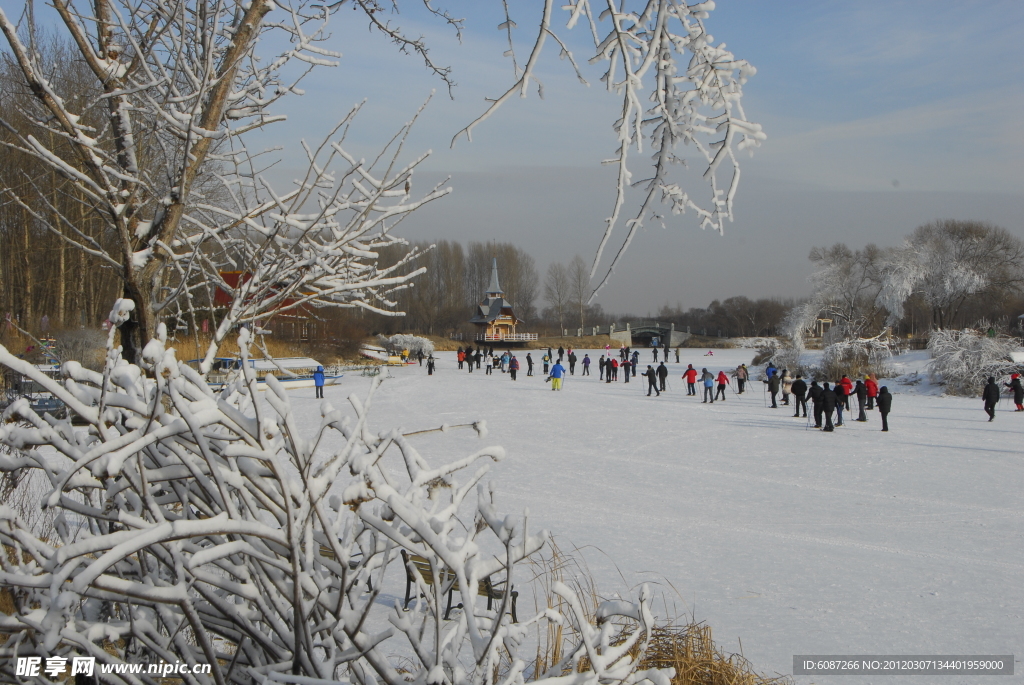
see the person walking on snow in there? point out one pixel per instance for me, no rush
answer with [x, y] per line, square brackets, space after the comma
[840, 393]
[773, 388]
[723, 380]
[513, 367]
[318, 381]
[847, 386]
[652, 380]
[419, 356]
[586, 364]
[461, 357]
[884, 405]
[677, 355]
[430, 365]
[529, 364]
[691, 380]
[600, 368]
[741, 374]
[557, 374]
[787, 386]
[609, 369]
[1018, 391]
[799, 392]
[861, 391]
[814, 392]
[991, 397]
[871, 385]
[709, 383]
[561, 353]
[770, 370]
[572, 363]
[829, 402]
[662, 376]
[547, 361]
[655, 350]
[627, 368]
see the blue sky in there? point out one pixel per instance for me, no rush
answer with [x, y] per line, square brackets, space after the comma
[880, 116]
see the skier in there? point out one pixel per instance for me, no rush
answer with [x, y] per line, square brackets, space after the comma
[600, 368]
[815, 394]
[723, 380]
[872, 387]
[840, 393]
[829, 402]
[773, 387]
[513, 366]
[884, 405]
[799, 392]
[741, 374]
[1018, 391]
[709, 383]
[557, 374]
[770, 370]
[847, 390]
[461, 356]
[561, 353]
[691, 379]
[318, 381]
[572, 363]
[586, 364]
[609, 369]
[991, 396]
[652, 379]
[655, 351]
[662, 375]
[419, 356]
[547, 360]
[787, 386]
[489, 368]
[677, 355]
[479, 356]
[529, 364]
[430, 365]
[861, 391]
[628, 368]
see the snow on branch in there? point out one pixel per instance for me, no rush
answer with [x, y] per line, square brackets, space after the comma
[211, 528]
[661, 52]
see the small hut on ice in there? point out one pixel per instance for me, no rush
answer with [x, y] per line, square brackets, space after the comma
[495, 319]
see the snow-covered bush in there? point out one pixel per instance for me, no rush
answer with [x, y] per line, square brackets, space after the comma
[859, 356]
[962, 360]
[396, 343]
[203, 527]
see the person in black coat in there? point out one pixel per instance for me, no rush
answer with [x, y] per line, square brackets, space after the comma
[799, 391]
[529, 364]
[814, 392]
[829, 402]
[430, 365]
[884, 405]
[991, 397]
[861, 392]
[663, 374]
[572, 363]
[652, 380]
[841, 401]
[1018, 391]
[773, 388]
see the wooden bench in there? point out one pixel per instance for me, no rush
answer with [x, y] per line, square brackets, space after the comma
[486, 587]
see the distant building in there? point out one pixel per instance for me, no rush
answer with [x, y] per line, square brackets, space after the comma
[494, 318]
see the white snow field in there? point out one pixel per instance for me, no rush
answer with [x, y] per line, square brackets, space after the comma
[788, 539]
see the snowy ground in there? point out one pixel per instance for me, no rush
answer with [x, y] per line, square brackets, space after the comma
[788, 539]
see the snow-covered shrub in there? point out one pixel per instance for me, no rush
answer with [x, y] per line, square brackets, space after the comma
[204, 527]
[962, 360]
[859, 356]
[396, 343]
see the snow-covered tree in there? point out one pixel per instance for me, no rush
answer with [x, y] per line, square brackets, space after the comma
[963, 359]
[947, 262]
[179, 84]
[206, 528]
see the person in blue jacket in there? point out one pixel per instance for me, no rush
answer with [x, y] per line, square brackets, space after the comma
[557, 374]
[318, 381]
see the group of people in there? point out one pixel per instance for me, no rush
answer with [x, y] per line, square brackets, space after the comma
[826, 399]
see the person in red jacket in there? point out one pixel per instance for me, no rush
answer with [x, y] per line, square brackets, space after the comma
[611, 370]
[723, 380]
[691, 378]
[872, 385]
[847, 390]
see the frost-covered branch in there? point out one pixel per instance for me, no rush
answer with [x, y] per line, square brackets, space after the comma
[219, 528]
[661, 52]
